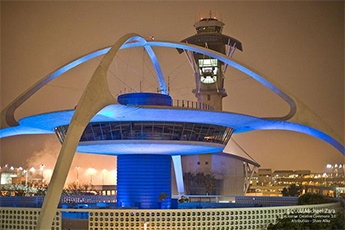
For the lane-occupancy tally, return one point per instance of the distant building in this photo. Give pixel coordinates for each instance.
(265, 176)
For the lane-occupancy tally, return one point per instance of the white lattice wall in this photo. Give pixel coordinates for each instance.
(191, 219)
(24, 218)
(174, 219)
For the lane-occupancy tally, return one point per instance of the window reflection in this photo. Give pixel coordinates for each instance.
(140, 130)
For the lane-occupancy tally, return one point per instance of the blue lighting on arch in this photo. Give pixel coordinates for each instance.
(75, 63)
(39, 128)
(45, 123)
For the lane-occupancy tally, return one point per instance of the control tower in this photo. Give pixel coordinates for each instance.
(209, 72)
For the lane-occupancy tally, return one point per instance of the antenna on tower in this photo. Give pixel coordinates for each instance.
(168, 85)
(210, 14)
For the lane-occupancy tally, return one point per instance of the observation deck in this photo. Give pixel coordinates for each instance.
(153, 137)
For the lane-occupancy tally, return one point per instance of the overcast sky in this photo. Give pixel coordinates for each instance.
(298, 44)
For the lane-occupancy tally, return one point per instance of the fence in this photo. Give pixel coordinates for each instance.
(173, 219)
(37, 201)
(254, 200)
(191, 104)
(24, 218)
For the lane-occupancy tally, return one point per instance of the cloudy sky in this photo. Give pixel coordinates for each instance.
(298, 44)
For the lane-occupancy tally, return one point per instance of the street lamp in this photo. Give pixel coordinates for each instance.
(78, 167)
(26, 181)
(41, 169)
(103, 172)
(91, 171)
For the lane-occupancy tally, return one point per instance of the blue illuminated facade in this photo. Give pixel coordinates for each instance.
(142, 179)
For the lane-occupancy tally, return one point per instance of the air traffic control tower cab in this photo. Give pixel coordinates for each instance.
(209, 72)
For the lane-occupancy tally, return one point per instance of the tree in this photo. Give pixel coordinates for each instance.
(200, 180)
(162, 196)
(309, 198)
(202, 183)
(209, 183)
(292, 190)
(188, 179)
(78, 189)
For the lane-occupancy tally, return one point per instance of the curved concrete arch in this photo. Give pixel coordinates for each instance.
(7, 114)
(231, 62)
(95, 97)
(299, 112)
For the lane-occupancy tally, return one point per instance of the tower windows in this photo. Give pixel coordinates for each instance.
(208, 97)
(208, 69)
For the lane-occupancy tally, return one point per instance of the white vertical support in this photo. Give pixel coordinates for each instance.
(95, 97)
(178, 173)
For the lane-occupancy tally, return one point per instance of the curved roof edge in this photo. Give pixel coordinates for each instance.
(238, 158)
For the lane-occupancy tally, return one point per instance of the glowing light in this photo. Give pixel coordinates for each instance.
(20, 168)
(91, 171)
(11, 168)
(47, 172)
(32, 169)
(329, 166)
(42, 167)
(114, 177)
(336, 166)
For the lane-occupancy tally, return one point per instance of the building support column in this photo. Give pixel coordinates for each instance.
(178, 173)
(95, 97)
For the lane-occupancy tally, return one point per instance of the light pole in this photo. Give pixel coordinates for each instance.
(26, 181)
(32, 170)
(91, 171)
(41, 170)
(103, 172)
(78, 167)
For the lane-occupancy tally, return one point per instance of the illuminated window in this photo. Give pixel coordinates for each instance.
(148, 130)
(208, 69)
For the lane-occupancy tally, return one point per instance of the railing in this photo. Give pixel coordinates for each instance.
(138, 219)
(254, 200)
(191, 104)
(87, 199)
(36, 201)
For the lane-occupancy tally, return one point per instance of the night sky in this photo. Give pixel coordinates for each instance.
(298, 44)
